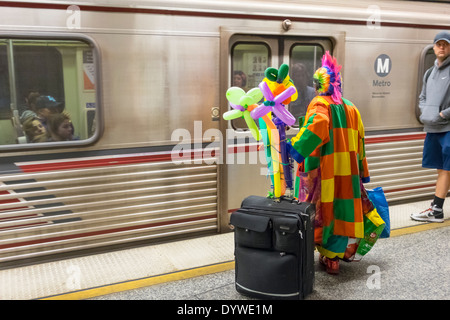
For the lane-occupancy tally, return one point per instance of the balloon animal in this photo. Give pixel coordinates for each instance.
(278, 90)
(242, 103)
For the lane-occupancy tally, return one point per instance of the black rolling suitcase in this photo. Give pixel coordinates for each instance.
(274, 248)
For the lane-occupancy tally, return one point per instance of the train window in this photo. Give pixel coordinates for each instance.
(48, 92)
(426, 61)
(304, 60)
(249, 61)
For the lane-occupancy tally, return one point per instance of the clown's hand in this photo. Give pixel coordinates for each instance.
(293, 153)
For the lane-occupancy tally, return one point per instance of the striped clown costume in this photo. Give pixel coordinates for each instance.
(332, 167)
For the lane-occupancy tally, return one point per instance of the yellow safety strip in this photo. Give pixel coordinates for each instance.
(145, 282)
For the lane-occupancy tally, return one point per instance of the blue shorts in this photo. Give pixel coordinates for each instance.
(436, 151)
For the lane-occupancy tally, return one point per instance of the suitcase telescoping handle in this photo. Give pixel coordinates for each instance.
(286, 198)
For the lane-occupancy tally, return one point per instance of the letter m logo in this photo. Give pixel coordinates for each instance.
(383, 65)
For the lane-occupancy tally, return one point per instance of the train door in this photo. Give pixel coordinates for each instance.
(248, 56)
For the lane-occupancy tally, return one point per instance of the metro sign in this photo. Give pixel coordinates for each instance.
(383, 65)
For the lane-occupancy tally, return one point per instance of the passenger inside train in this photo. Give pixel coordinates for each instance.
(46, 106)
(240, 80)
(44, 120)
(61, 128)
(28, 109)
(34, 130)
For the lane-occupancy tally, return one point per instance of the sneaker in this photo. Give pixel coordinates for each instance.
(432, 214)
(332, 265)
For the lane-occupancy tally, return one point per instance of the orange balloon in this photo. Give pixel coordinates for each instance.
(251, 107)
(279, 89)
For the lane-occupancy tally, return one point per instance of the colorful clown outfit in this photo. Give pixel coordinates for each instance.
(330, 151)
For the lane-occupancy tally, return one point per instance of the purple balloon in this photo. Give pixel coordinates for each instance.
(260, 111)
(284, 115)
(284, 154)
(277, 102)
(266, 91)
(238, 107)
(284, 95)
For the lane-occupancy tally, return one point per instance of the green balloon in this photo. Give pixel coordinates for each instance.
(282, 72)
(256, 94)
(271, 74)
(245, 101)
(234, 94)
(232, 114)
(266, 141)
(252, 125)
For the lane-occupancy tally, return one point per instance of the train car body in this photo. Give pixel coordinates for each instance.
(145, 82)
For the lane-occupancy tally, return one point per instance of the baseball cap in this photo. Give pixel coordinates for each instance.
(48, 102)
(443, 35)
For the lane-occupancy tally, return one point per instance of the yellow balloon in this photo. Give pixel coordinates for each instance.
(287, 83)
(274, 85)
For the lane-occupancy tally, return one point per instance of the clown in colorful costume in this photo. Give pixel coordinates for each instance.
(332, 166)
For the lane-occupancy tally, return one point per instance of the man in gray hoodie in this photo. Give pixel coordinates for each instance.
(434, 104)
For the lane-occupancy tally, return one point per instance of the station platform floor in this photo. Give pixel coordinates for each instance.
(414, 263)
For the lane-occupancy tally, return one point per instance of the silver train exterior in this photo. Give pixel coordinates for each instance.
(145, 83)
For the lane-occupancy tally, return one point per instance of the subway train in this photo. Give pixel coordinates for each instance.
(143, 84)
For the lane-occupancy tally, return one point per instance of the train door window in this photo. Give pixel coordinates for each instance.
(429, 58)
(426, 61)
(4, 84)
(48, 92)
(303, 55)
(249, 61)
(304, 60)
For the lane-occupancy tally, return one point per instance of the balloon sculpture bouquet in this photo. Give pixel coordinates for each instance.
(278, 90)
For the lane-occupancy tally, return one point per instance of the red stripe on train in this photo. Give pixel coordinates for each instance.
(79, 164)
(418, 136)
(109, 231)
(23, 225)
(76, 164)
(10, 201)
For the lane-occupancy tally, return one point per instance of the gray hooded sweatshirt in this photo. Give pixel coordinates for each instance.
(435, 98)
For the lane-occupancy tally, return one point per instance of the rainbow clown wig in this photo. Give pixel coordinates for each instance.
(327, 79)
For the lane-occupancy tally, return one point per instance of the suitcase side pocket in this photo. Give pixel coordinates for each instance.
(251, 230)
(287, 235)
